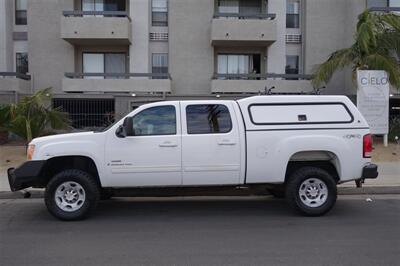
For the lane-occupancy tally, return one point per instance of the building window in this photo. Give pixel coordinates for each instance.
(103, 5)
(394, 3)
(159, 13)
(160, 64)
(242, 7)
(292, 65)
(104, 63)
(228, 6)
(377, 3)
(292, 15)
(20, 12)
(21, 64)
(208, 119)
(159, 120)
(239, 64)
(383, 3)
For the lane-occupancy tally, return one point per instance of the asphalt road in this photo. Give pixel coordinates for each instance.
(203, 231)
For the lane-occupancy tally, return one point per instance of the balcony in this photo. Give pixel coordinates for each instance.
(116, 82)
(96, 27)
(15, 82)
(243, 29)
(261, 83)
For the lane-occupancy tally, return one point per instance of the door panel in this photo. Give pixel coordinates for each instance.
(153, 156)
(210, 144)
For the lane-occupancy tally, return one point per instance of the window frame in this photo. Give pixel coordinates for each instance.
(17, 20)
(104, 6)
(208, 133)
(149, 135)
(17, 58)
(159, 67)
(297, 63)
(159, 23)
(250, 56)
(104, 62)
(295, 15)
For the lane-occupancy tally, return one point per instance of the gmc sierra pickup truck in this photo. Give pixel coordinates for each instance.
(299, 147)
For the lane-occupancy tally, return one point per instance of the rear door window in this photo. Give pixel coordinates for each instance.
(208, 119)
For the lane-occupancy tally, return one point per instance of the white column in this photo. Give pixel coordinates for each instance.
(6, 48)
(276, 52)
(139, 11)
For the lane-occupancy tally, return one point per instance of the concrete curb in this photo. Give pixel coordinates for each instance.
(341, 191)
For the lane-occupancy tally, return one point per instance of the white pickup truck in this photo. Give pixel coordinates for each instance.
(299, 147)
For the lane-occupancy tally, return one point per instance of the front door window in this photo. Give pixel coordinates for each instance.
(159, 120)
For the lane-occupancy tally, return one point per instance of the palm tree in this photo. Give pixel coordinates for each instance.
(33, 115)
(376, 47)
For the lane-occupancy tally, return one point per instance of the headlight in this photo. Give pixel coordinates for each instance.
(30, 151)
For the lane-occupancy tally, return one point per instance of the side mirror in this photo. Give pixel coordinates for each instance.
(126, 129)
(120, 133)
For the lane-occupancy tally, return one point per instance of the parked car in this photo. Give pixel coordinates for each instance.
(301, 145)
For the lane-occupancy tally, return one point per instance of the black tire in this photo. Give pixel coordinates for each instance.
(91, 191)
(293, 187)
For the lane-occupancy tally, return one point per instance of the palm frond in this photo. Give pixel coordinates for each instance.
(376, 47)
(386, 63)
(336, 61)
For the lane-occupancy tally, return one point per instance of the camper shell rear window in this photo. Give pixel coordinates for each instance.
(299, 113)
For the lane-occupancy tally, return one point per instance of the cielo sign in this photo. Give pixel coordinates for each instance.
(373, 99)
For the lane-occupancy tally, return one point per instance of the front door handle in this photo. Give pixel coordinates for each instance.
(168, 144)
(226, 142)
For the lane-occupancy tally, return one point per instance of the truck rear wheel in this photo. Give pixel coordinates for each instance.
(311, 191)
(72, 195)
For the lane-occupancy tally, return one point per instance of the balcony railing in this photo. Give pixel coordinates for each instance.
(384, 9)
(117, 82)
(15, 74)
(263, 76)
(78, 13)
(245, 15)
(269, 83)
(118, 75)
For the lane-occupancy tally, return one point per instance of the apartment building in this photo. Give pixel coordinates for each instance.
(103, 58)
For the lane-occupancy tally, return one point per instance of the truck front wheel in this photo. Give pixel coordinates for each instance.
(311, 191)
(72, 195)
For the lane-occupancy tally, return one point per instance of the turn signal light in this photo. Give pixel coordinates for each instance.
(30, 151)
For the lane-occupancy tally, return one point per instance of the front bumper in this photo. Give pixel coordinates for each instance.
(26, 175)
(370, 171)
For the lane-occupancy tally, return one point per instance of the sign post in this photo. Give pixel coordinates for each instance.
(373, 100)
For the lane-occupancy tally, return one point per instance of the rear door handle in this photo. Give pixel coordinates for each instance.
(168, 144)
(226, 142)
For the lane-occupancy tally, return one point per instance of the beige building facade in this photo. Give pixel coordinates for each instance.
(105, 57)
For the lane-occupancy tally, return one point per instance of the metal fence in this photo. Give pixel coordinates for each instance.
(87, 113)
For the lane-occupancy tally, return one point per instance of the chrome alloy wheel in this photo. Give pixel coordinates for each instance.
(313, 192)
(70, 196)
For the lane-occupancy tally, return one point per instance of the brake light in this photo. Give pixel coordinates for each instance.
(367, 146)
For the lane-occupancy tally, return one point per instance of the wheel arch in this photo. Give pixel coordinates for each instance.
(58, 164)
(324, 159)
